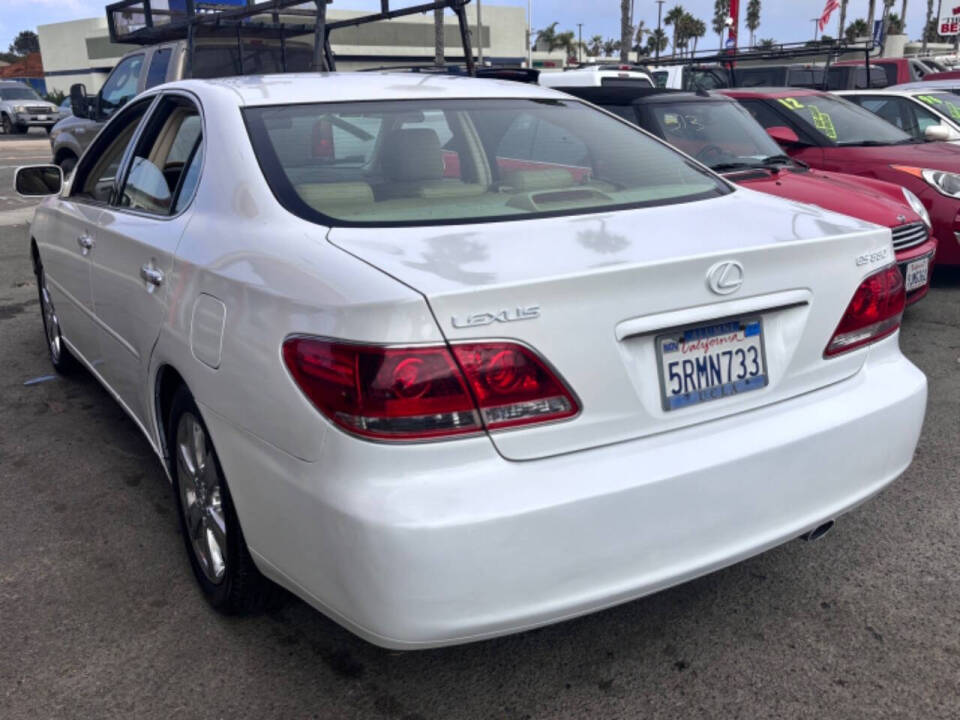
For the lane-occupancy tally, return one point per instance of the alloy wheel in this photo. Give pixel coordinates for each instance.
(51, 323)
(200, 498)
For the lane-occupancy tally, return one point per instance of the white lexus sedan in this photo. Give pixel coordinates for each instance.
(451, 358)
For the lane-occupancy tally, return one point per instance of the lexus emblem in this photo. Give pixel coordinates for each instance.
(725, 277)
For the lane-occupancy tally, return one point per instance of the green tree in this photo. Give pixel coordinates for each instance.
(610, 46)
(926, 27)
(657, 37)
(894, 24)
(695, 29)
(753, 19)
(721, 11)
(548, 37)
(673, 18)
(638, 36)
(858, 28)
(24, 43)
(766, 43)
(595, 46)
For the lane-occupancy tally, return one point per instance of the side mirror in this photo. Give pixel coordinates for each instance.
(38, 180)
(78, 100)
(783, 135)
(939, 133)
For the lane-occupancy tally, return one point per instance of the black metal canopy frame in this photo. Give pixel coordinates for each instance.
(783, 52)
(137, 22)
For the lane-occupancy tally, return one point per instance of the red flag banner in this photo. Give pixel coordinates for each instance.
(827, 12)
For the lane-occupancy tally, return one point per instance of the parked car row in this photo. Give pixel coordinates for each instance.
(451, 358)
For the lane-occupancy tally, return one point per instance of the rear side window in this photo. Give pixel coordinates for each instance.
(170, 139)
(455, 161)
(213, 61)
(157, 72)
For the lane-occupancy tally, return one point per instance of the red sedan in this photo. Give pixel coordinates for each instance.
(829, 133)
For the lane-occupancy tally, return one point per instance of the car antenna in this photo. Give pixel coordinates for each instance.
(701, 91)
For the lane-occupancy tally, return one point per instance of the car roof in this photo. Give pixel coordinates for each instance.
(302, 88)
(928, 85)
(768, 92)
(634, 96)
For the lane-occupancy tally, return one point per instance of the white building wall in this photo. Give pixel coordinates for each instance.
(77, 51)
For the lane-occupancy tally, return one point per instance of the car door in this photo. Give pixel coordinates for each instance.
(139, 232)
(67, 252)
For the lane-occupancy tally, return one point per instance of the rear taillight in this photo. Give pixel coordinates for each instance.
(420, 393)
(873, 313)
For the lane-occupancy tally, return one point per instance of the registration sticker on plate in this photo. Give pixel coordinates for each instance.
(915, 274)
(709, 362)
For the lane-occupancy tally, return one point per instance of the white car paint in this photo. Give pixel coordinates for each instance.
(595, 77)
(424, 544)
(911, 92)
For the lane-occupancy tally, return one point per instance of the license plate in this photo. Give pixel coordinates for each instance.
(41, 117)
(916, 273)
(708, 362)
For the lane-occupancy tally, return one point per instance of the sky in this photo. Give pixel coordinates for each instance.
(783, 20)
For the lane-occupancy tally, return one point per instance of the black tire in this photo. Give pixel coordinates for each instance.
(241, 589)
(67, 163)
(60, 357)
(49, 129)
(6, 125)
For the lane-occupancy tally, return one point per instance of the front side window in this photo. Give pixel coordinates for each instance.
(96, 175)
(18, 93)
(121, 85)
(453, 161)
(839, 121)
(159, 165)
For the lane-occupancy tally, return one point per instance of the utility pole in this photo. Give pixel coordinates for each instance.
(479, 36)
(529, 33)
(580, 43)
(659, 18)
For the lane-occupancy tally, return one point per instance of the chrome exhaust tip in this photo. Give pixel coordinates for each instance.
(818, 532)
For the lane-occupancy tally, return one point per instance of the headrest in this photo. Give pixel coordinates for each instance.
(323, 195)
(532, 180)
(412, 154)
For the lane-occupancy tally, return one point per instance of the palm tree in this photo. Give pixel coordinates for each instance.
(548, 37)
(843, 16)
(858, 28)
(438, 36)
(926, 27)
(871, 12)
(638, 38)
(596, 45)
(753, 18)
(894, 24)
(721, 11)
(657, 38)
(903, 16)
(626, 31)
(766, 43)
(697, 29)
(673, 18)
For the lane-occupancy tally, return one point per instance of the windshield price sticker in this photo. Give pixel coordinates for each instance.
(821, 120)
(941, 105)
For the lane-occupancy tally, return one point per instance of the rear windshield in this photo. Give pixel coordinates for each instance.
(216, 61)
(456, 161)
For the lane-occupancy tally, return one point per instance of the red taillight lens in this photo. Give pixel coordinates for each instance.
(420, 392)
(513, 386)
(873, 313)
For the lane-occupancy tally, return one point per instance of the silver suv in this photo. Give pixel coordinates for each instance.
(147, 67)
(21, 109)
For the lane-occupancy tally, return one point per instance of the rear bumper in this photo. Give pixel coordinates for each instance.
(447, 543)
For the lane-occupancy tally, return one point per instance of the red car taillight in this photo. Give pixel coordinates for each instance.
(873, 313)
(420, 393)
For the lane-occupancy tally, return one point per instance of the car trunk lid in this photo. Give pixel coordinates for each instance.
(591, 293)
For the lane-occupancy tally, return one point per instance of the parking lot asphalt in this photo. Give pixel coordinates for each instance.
(99, 617)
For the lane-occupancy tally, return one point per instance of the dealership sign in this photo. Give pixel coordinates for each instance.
(950, 23)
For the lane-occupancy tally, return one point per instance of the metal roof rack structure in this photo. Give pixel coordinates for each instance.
(139, 22)
(782, 52)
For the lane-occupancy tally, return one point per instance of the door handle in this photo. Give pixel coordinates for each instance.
(86, 243)
(151, 275)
